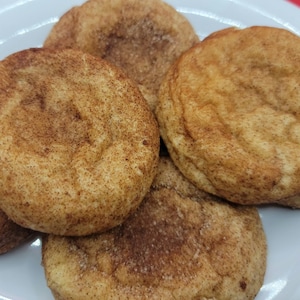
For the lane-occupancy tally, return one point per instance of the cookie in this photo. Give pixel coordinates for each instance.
(181, 243)
(229, 115)
(79, 145)
(143, 38)
(11, 234)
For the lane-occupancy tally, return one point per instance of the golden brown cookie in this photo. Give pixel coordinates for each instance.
(229, 114)
(142, 37)
(78, 143)
(11, 234)
(181, 243)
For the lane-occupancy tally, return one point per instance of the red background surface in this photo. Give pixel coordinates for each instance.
(296, 2)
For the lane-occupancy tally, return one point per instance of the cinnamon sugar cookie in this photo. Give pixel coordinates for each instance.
(11, 234)
(229, 113)
(142, 37)
(78, 143)
(181, 243)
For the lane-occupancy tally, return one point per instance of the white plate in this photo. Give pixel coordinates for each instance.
(25, 23)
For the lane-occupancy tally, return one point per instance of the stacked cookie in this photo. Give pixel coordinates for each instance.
(12, 235)
(79, 145)
(229, 115)
(81, 161)
(181, 243)
(142, 39)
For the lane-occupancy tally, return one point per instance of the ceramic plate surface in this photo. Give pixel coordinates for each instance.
(26, 23)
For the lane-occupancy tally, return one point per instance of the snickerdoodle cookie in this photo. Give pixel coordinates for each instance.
(229, 113)
(181, 243)
(78, 143)
(142, 37)
(11, 234)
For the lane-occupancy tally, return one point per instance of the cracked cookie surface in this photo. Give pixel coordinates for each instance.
(133, 35)
(79, 145)
(181, 243)
(229, 114)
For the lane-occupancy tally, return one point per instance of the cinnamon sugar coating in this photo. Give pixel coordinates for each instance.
(181, 243)
(229, 113)
(143, 39)
(79, 145)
